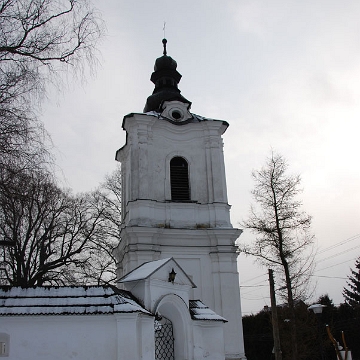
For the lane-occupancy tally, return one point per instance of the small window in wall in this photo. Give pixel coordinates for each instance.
(4, 344)
(179, 179)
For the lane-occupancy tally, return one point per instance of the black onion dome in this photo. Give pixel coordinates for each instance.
(166, 78)
(165, 62)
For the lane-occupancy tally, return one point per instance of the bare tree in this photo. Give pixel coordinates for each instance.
(24, 142)
(38, 39)
(101, 267)
(58, 238)
(50, 229)
(95, 263)
(98, 263)
(47, 30)
(55, 233)
(283, 239)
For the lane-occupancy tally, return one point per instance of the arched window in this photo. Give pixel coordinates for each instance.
(179, 179)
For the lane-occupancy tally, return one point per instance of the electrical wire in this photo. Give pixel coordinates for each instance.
(343, 262)
(256, 277)
(338, 254)
(251, 289)
(351, 238)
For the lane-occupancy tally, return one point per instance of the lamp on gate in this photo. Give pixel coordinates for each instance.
(172, 275)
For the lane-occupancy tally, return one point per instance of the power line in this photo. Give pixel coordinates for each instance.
(256, 277)
(252, 298)
(329, 277)
(354, 237)
(334, 246)
(331, 266)
(256, 284)
(251, 290)
(338, 254)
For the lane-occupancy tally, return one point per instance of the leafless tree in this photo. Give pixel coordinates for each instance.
(100, 264)
(58, 238)
(24, 142)
(283, 241)
(38, 39)
(47, 30)
(49, 227)
(56, 233)
(101, 267)
(95, 263)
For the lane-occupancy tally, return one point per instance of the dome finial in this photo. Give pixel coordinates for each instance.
(164, 41)
(166, 79)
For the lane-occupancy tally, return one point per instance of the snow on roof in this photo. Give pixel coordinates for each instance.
(199, 311)
(81, 300)
(144, 271)
(195, 117)
(85, 300)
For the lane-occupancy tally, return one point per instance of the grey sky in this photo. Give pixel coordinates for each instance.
(284, 74)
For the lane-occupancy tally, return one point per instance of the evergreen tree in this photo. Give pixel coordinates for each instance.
(352, 293)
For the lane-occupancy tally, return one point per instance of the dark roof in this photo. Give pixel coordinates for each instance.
(76, 300)
(165, 78)
(199, 311)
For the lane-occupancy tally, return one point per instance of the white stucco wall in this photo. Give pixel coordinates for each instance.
(80, 337)
(208, 341)
(125, 336)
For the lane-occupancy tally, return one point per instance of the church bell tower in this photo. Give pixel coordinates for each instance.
(174, 198)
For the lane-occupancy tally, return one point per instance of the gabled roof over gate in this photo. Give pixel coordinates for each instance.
(147, 269)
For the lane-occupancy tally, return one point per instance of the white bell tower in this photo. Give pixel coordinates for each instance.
(174, 199)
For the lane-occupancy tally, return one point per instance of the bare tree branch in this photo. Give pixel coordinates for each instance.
(37, 38)
(283, 241)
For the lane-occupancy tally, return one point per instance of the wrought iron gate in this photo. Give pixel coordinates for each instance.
(164, 339)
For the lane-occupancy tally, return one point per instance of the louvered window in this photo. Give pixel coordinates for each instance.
(179, 178)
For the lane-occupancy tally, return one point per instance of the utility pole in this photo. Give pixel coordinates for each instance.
(275, 323)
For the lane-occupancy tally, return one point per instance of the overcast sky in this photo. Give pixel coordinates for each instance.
(284, 74)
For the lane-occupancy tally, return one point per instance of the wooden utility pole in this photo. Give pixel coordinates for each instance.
(275, 323)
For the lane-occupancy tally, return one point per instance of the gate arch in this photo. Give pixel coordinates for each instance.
(173, 308)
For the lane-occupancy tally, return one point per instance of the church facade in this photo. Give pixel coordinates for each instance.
(178, 291)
